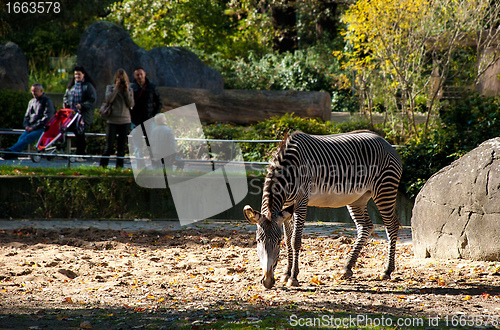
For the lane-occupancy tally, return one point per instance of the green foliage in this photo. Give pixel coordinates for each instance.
(202, 26)
(13, 105)
(82, 197)
(343, 100)
(96, 145)
(308, 70)
(222, 131)
(56, 78)
(400, 48)
(471, 121)
(466, 124)
(274, 129)
(88, 171)
(313, 69)
(42, 35)
(52, 81)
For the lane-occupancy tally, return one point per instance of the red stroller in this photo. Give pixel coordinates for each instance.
(55, 132)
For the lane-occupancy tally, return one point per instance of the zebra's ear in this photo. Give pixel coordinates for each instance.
(283, 217)
(252, 216)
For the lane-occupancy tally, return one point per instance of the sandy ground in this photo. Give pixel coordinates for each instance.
(91, 278)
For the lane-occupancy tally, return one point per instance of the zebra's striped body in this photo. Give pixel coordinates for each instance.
(325, 171)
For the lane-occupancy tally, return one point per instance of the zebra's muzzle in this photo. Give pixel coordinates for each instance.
(268, 280)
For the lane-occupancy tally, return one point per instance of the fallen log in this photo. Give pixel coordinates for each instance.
(247, 106)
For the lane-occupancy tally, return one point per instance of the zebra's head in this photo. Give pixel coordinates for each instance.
(269, 235)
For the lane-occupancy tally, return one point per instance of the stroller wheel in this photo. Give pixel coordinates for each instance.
(35, 158)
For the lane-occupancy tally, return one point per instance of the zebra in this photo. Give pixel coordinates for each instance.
(325, 171)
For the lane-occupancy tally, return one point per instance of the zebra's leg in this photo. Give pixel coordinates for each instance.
(299, 217)
(386, 204)
(391, 228)
(288, 231)
(364, 227)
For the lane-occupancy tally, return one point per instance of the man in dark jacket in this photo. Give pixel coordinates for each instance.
(40, 110)
(147, 102)
(146, 96)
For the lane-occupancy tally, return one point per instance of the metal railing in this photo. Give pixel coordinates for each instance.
(71, 135)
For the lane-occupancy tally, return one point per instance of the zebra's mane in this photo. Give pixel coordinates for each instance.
(273, 168)
(278, 154)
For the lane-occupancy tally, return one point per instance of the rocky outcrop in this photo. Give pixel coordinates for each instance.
(457, 212)
(104, 47)
(179, 67)
(14, 73)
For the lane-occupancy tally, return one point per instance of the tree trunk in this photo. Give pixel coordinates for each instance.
(244, 107)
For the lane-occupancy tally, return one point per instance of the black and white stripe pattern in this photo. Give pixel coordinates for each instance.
(328, 171)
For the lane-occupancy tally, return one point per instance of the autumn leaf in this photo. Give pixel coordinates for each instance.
(316, 281)
(68, 300)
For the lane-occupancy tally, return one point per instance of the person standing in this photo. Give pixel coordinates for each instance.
(40, 110)
(121, 98)
(147, 104)
(163, 144)
(80, 95)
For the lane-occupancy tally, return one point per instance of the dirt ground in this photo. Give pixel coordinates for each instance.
(206, 277)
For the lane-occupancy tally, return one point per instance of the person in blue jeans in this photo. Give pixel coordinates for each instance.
(40, 110)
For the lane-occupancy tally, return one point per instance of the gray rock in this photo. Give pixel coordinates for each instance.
(179, 67)
(104, 47)
(14, 73)
(457, 212)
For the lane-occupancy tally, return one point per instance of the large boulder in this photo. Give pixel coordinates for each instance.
(457, 212)
(104, 47)
(13, 68)
(179, 67)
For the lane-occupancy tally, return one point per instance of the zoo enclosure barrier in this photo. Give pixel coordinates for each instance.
(71, 135)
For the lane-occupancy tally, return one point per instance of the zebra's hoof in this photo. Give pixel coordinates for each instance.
(385, 276)
(292, 282)
(285, 278)
(346, 274)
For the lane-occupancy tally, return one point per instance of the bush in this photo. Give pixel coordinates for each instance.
(13, 105)
(465, 124)
(274, 129)
(95, 146)
(314, 69)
